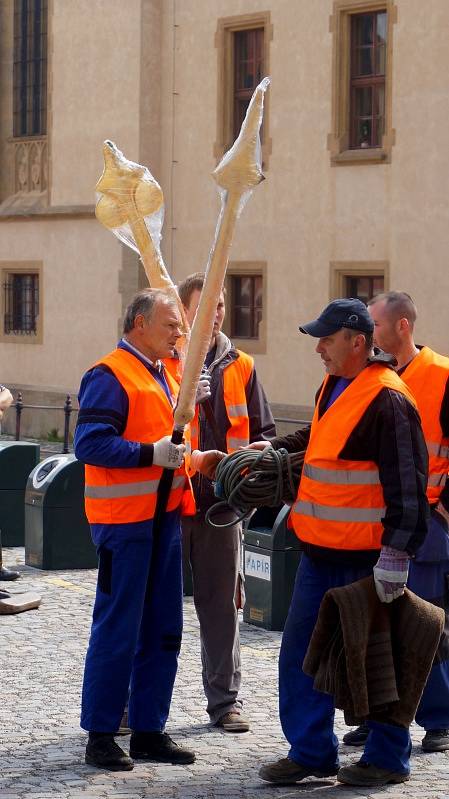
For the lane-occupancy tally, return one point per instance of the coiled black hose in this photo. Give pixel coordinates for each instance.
(251, 478)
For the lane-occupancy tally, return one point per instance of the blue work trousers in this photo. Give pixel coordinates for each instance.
(136, 627)
(307, 716)
(429, 579)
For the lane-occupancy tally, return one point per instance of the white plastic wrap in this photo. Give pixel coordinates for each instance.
(130, 203)
(237, 174)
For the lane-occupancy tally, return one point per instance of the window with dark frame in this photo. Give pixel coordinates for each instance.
(364, 287)
(368, 70)
(21, 303)
(30, 68)
(248, 71)
(246, 293)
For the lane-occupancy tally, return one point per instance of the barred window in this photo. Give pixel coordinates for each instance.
(30, 68)
(246, 305)
(21, 303)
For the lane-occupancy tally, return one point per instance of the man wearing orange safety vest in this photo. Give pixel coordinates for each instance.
(123, 436)
(361, 509)
(426, 373)
(236, 414)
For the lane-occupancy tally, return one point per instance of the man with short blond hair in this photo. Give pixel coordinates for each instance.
(426, 373)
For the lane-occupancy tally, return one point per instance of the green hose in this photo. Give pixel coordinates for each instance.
(253, 478)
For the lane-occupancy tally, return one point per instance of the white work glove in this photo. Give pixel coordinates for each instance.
(167, 454)
(6, 399)
(203, 388)
(391, 573)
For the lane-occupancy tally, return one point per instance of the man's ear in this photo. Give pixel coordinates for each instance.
(359, 341)
(139, 321)
(402, 325)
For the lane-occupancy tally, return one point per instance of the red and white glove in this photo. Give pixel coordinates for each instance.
(206, 462)
(391, 573)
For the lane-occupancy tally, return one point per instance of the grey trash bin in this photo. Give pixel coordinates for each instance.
(17, 460)
(57, 533)
(271, 554)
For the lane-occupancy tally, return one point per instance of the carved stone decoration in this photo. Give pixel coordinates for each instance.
(30, 162)
(21, 163)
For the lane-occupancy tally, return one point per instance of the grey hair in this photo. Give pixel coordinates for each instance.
(143, 303)
(399, 305)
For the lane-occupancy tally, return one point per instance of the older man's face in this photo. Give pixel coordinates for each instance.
(159, 334)
(342, 354)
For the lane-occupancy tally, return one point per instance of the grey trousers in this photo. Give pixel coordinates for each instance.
(215, 558)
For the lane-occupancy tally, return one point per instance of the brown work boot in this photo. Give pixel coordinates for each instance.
(436, 741)
(233, 721)
(287, 772)
(367, 775)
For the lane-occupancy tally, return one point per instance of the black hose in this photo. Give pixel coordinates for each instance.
(253, 478)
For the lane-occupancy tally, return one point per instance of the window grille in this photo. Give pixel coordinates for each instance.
(21, 304)
(30, 68)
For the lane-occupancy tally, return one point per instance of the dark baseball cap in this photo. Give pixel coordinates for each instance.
(347, 312)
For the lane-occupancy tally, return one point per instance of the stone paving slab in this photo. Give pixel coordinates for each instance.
(42, 747)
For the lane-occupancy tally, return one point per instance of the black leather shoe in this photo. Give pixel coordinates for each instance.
(435, 741)
(356, 737)
(8, 574)
(105, 753)
(158, 746)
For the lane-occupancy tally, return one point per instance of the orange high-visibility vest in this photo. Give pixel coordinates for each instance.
(117, 496)
(340, 503)
(426, 376)
(235, 379)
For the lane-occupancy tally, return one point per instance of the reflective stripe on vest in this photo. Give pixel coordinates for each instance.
(340, 503)
(116, 496)
(439, 450)
(130, 489)
(332, 513)
(235, 379)
(426, 375)
(436, 479)
(346, 477)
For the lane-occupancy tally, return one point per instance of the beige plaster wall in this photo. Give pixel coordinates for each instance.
(95, 93)
(144, 73)
(80, 300)
(309, 213)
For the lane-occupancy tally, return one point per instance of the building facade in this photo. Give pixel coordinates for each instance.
(354, 151)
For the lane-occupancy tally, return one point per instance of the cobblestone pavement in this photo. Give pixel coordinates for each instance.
(42, 746)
